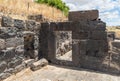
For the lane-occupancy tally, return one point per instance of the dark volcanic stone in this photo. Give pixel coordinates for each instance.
(3, 66)
(20, 24)
(7, 22)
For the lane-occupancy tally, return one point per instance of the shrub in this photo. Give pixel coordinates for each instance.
(56, 3)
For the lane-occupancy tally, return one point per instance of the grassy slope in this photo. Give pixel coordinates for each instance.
(114, 29)
(19, 9)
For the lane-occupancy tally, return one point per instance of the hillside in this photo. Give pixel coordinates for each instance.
(115, 29)
(22, 8)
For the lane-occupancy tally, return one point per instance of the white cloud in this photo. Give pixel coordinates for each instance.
(72, 6)
(107, 8)
(110, 15)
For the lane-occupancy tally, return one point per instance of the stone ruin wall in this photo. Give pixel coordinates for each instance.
(19, 41)
(91, 48)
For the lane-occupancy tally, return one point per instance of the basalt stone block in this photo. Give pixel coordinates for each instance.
(97, 25)
(8, 32)
(36, 42)
(9, 53)
(19, 50)
(7, 21)
(83, 46)
(83, 15)
(4, 76)
(13, 42)
(61, 26)
(19, 68)
(99, 35)
(94, 63)
(36, 17)
(93, 48)
(20, 34)
(81, 35)
(3, 66)
(30, 25)
(20, 24)
(10, 70)
(2, 44)
(97, 45)
(75, 52)
(77, 26)
(15, 62)
(43, 40)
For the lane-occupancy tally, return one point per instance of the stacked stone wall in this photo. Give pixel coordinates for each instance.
(90, 44)
(18, 42)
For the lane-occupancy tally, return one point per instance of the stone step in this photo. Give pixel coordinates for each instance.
(29, 62)
(39, 64)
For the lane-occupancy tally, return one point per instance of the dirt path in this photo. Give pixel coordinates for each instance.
(56, 73)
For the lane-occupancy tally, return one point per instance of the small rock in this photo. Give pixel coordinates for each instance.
(20, 24)
(3, 66)
(4, 76)
(39, 64)
(29, 62)
(10, 70)
(14, 63)
(7, 21)
(19, 68)
(2, 44)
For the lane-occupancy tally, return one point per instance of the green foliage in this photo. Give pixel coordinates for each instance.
(56, 3)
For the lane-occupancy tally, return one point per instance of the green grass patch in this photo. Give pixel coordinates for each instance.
(57, 4)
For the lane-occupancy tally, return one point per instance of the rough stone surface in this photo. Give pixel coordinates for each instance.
(7, 54)
(39, 64)
(87, 48)
(83, 15)
(3, 66)
(30, 25)
(19, 68)
(4, 76)
(14, 42)
(20, 24)
(10, 70)
(7, 21)
(29, 62)
(2, 44)
(8, 32)
(36, 17)
(19, 50)
(15, 62)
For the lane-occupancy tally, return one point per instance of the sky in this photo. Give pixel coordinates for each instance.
(109, 10)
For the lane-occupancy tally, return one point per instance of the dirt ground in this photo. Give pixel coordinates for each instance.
(57, 73)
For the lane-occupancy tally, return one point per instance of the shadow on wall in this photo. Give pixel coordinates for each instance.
(89, 42)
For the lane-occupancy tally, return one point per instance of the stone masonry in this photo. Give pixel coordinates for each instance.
(18, 42)
(23, 42)
(89, 42)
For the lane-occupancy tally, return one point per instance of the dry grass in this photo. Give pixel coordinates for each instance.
(18, 8)
(114, 29)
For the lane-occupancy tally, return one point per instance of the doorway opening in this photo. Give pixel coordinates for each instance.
(63, 45)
